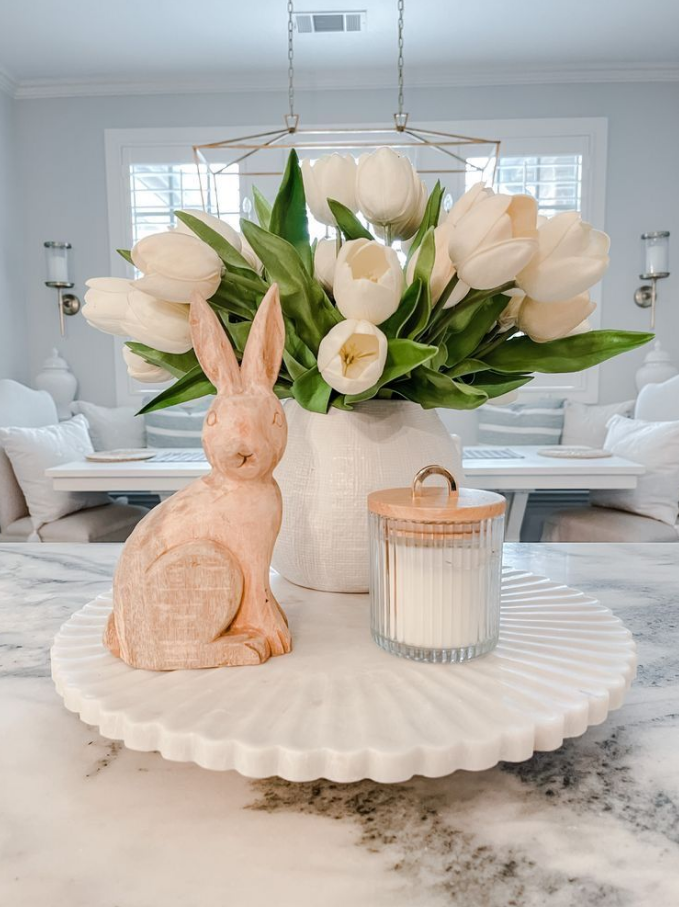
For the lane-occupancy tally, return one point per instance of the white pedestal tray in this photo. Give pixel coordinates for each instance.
(339, 707)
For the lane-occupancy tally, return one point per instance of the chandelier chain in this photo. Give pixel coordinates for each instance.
(400, 56)
(291, 68)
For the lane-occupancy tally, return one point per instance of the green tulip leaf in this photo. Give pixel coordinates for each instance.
(228, 254)
(466, 367)
(288, 216)
(430, 219)
(191, 386)
(302, 298)
(125, 253)
(570, 354)
(238, 332)
(475, 320)
(262, 208)
(348, 223)
(495, 384)
(311, 391)
(177, 364)
(402, 357)
(433, 389)
(394, 325)
(282, 391)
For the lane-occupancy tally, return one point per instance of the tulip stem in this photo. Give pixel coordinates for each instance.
(494, 343)
(388, 234)
(338, 241)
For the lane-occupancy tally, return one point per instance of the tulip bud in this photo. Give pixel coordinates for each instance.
(466, 202)
(388, 190)
(175, 265)
(331, 176)
(368, 281)
(352, 355)
(141, 370)
(215, 223)
(494, 240)
(116, 306)
(325, 261)
(571, 257)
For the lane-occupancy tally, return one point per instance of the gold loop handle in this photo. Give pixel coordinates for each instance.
(427, 471)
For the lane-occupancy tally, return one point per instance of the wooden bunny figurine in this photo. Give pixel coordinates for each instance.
(191, 589)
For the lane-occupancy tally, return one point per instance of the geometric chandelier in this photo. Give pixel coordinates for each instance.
(262, 156)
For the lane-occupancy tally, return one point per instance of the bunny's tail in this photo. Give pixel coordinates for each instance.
(111, 640)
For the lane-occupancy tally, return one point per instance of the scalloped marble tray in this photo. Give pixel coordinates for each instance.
(340, 708)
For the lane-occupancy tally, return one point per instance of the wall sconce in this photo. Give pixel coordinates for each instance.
(58, 277)
(656, 266)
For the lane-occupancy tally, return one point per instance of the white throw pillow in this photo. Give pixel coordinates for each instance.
(585, 424)
(656, 446)
(33, 450)
(112, 427)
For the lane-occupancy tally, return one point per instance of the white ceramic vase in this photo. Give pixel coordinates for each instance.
(331, 464)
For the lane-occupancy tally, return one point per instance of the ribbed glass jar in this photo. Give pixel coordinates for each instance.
(435, 585)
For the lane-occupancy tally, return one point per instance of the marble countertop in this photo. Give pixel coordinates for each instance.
(86, 823)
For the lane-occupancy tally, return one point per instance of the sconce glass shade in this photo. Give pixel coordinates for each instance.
(656, 254)
(57, 259)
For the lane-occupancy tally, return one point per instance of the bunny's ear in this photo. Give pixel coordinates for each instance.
(212, 347)
(264, 350)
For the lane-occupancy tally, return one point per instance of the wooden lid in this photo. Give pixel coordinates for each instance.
(436, 504)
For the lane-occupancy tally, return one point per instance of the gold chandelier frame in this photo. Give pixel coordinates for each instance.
(400, 136)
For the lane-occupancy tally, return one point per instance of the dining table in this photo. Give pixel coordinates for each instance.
(514, 471)
(85, 821)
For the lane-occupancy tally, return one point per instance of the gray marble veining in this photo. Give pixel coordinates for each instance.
(83, 821)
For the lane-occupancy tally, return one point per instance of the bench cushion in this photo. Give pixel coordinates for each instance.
(598, 524)
(110, 523)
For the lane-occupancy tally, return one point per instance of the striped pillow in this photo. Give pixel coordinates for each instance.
(177, 426)
(522, 423)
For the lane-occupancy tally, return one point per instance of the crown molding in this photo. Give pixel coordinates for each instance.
(344, 80)
(7, 84)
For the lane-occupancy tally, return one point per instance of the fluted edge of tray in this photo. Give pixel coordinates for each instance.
(340, 708)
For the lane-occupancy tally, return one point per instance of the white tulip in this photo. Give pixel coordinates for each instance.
(571, 258)
(106, 304)
(175, 265)
(545, 321)
(494, 240)
(219, 226)
(325, 261)
(443, 270)
(510, 316)
(388, 189)
(368, 281)
(141, 370)
(331, 176)
(250, 255)
(352, 355)
(406, 228)
(115, 306)
(466, 202)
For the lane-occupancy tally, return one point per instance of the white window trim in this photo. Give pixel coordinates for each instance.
(578, 135)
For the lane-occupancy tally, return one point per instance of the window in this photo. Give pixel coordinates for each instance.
(158, 190)
(150, 173)
(554, 181)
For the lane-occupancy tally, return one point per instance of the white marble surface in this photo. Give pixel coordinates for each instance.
(86, 823)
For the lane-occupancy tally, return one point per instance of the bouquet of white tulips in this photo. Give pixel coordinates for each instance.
(477, 300)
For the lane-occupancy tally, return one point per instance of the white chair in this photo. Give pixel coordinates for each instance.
(23, 407)
(655, 403)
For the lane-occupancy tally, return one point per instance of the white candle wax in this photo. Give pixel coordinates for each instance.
(439, 596)
(656, 258)
(57, 266)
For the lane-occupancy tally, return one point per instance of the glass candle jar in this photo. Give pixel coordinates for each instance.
(435, 569)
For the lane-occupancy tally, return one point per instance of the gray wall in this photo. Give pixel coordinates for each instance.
(13, 301)
(61, 151)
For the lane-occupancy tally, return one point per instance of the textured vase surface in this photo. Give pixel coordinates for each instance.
(331, 464)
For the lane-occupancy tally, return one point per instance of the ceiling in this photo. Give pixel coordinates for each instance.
(243, 44)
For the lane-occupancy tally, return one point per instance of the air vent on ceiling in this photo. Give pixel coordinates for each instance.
(319, 23)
